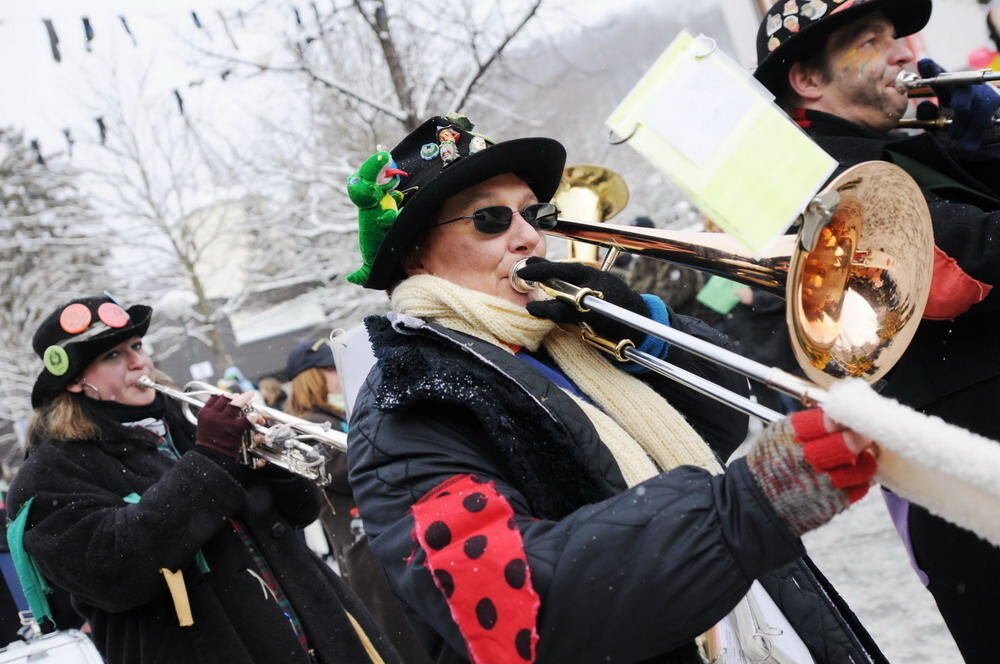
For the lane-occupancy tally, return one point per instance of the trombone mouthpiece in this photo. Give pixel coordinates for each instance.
(516, 282)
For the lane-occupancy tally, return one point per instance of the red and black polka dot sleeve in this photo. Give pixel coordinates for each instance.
(476, 555)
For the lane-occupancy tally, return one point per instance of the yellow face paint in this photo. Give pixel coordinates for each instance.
(858, 58)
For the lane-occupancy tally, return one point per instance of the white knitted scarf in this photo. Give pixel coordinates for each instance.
(644, 433)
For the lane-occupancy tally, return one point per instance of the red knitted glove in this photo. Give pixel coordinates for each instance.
(221, 426)
(828, 453)
(807, 472)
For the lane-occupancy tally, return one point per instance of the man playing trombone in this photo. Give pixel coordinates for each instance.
(532, 500)
(833, 66)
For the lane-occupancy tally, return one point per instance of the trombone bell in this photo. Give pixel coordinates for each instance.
(854, 300)
(593, 193)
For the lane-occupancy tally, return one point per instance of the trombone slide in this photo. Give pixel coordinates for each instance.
(585, 299)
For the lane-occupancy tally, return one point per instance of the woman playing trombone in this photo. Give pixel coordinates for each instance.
(170, 548)
(531, 500)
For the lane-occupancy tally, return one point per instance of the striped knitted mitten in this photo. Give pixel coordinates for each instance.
(808, 473)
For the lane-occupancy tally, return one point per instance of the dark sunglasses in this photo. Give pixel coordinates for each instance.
(497, 218)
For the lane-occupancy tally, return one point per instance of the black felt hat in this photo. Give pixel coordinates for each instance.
(309, 355)
(438, 165)
(75, 334)
(792, 29)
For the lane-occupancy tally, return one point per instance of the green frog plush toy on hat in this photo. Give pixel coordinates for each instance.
(373, 190)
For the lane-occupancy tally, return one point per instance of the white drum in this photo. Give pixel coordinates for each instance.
(68, 646)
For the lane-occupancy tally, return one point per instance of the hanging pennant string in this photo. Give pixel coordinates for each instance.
(53, 39)
(200, 25)
(102, 130)
(128, 31)
(88, 34)
(69, 140)
(38, 152)
(225, 28)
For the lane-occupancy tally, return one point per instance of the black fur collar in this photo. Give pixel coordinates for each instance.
(542, 442)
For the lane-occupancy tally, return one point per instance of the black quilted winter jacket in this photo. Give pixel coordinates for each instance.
(623, 575)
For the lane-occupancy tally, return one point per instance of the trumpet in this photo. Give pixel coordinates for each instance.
(912, 85)
(907, 81)
(297, 445)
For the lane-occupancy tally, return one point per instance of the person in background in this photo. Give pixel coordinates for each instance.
(170, 548)
(273, 392)
(234, 381)
(316, 396)
(832, 67)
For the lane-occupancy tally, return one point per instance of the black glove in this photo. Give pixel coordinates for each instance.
(974, 108)
(221, 426)
(614, 290)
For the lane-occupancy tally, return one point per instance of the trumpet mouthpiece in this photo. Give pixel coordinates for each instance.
(905, 81)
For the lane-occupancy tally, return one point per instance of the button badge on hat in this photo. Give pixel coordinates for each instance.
(77, 320)
(448, 138)
(56, 360)
(477, 144)
(428, 151)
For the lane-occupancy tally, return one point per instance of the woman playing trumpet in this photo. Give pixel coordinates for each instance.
(531, 500)
(171, 549)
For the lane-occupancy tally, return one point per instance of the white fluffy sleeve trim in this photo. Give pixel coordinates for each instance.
(952, 472)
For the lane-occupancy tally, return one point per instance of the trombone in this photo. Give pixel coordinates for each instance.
(297, 445)
(855, 280)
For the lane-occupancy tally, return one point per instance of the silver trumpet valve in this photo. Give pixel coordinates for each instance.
(297, 445)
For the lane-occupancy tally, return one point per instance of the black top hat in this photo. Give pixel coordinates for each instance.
(75, 334)
(438, 166)
(792, 29)
(309, 355)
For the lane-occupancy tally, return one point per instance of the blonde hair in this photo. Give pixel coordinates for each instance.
(308, 392)
(62, 419)
(70, 417)
(269, 386)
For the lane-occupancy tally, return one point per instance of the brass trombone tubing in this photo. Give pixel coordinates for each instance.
(713, 253)
(808, 393)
